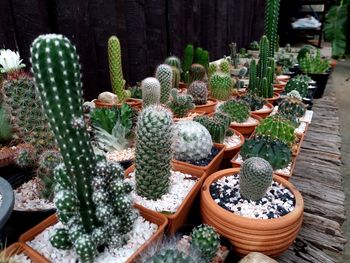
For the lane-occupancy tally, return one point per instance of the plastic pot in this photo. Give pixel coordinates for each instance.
(321, 83)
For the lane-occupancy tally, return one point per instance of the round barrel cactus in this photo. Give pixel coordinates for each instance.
(221, 85)
(206, 240)
(199, 91)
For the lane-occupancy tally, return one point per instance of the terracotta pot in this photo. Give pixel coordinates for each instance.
(183, 85)
(207, 108)
(275, 97)
(178, 219)
(133, 103)
(203, 171)
(269, 236)
(283, 78)
(149, 215)
(232, 151)
(264, 113)
(7, 156)
(20, 248)
(234, 163)
(200, 113)
(246, 129)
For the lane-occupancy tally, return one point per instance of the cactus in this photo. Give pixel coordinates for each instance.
(276, 152)
(192, 141)
(225, 66)
(297, 84)
(212, 69)
(206, 240)
(254, 102)
(292, 107)
(294, 94)
(313, 65)
(150, 91)
(180, 104)
(221, 86)
(176, 77)
(5, 126)
(187, 61)
(153, 152)
(277, 128)
(263, 57)
(234, 55)
(173, 61)
(271, 23)
(196, 72)
(115, 68)
(288, 48)
(255, 178)
(199, 91)
(91, 196)
(253, 83)
(254, 45)
(170, 255)
(201, 56)
(237, 110)
(164, 74)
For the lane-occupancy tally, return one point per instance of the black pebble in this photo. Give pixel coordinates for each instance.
(206, 161)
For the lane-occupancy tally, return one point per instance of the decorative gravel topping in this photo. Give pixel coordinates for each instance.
(180, 185)
(28, 197)
(277, 202)
(21, 258)
(263, 109)
(301, 129)
(208, 159)
(120, 156)
(141, 232)
(232, 141)
(189, 116)
(249, 121)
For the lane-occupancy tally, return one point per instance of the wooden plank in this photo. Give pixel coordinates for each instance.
(7, 27)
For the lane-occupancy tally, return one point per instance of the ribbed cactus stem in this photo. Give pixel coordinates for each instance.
(253, 77)
(150, 91)
(271, 23)
(263, 57)
(57, 73)
(115, 68)
(187, 61)
(164, 74)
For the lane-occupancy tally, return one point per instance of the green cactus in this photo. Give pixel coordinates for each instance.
(192, 141)
(263, 57)
(313, 65)
(292, 107)
(306, 49)
(187, 61)
(150, 91)
(176, 77)
(253, 83)
(87, 199)
(206, 240)
(212, 69)
(255, 178)
(180, 103)
(173, 61)
(5, 126)
(254, 45)
(271, 23)
(237, 110)
(164, 74)
(199, 91)
(221, 86)
(153, 152)
(234, 55)
(170, 255)
(196, 72)
(115, 68)
(277, 128)
(294, 94)
(255, 102)
(225, 66)
(276, 152)
(297, 84)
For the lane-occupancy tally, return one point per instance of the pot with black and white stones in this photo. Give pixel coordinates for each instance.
(254, 230)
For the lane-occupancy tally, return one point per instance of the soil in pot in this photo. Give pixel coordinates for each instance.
(190, 116)
(21, 253)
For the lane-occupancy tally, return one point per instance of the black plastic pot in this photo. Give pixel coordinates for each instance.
(321, 83)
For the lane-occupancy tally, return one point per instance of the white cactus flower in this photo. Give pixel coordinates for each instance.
(10, 61)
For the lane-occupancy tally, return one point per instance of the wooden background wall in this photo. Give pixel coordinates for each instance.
(149, 30)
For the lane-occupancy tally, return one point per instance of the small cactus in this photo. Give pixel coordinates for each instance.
(237, 110)
(299, 84)
(164, 74)
(187, 61)
(234, 55)
(221, 86)
(292, 107)
(173, 61)
(254, 102)
(206, 240)
(180, 103)
(196, 72)
(176, 77)
(150, 91)
(225, 66)
(199, 91)
(212, 69)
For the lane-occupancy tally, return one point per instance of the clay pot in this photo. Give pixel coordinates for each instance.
(202, 171)
(246, 129)
(133, 103)
(182, 86)
(283, 78)
(149, 215)
(178, 219)
(199, 113)
(279, 88)
(269, 236)
(232, 151)
(264, 113)
(275, 97)
(20, 248)
(7, 156)
(207, 108)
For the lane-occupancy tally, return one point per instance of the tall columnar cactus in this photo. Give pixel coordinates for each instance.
(115, 68)
(196, 72)
(150, 91)
(225, 66)
(263, 57)
(201, 56)
(234, 55)
(253, 77)
(91, 196)
(221, 86)
(187, 61)
(176, 77)
(164, 74)
(199, 91)
(153, 152)
(255, 178)
(180, 103)
(272, 8)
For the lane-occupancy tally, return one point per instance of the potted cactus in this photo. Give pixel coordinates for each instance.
(232, 201)
(93, 203)
(199, 91)
(221, 86)
(254, 48)
(180, 104)
(258, 105)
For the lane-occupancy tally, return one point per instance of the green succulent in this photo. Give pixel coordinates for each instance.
(314, 65)
(298, 84)
(238, 110)
(255, 102)
(225, 66)
(206, 240)
(221, 86)
(197, 72)
(180, 103)
(199, 91)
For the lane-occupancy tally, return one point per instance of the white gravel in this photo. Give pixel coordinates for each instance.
(301, 129)
(120, 156)
(28, 197)
(140, 233)
(249, 121)
(232, 141)
(180, 185)
(20, 258)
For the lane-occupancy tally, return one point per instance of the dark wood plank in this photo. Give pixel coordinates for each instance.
(7, 27)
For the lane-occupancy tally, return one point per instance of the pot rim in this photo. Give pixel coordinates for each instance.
(8, 201)
(241, 137)
(270, 109)
(254, 116)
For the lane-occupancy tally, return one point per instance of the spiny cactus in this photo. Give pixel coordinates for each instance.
(234, 55)
(170, 255)
(173, 61)
(255, 178)
(176, 77)
(225, 66)
(5, 126)
(292, 106)
(150, 91)
(199, 91)
(91, 199)
(313, 65)
(253, 85)
(115, 68)
(271, 23)
(153, 152)
(201, 56)
(255, 102)
(180, 103)
(212, 69)
(276, 152)
(206, 240)
(164, 74)
(297, 84)
(187, 61)
(192, 141)
(237, 110)
(294, 94)
(277, 128)
(254, 45)
(196, 72)
(221, 86)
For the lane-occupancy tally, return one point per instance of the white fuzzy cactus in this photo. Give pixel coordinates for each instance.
(150, 91)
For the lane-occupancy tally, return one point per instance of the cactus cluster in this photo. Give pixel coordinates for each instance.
(234, 56)
(206, 240)
(115, 69)
(298, 84)
(276, 152)
(254, 45)
(180, 103)
(197, 72)
(164, 74)
(91, 198)
(255, 102)
(271, 23)
(313, 65)
(199, 91)
(217, 125)
(170, 255)
(238, 110)
(201, 56)
(221, 85)
(192, 141)
(150, 91)
(255, 178)
(225, 66)
(277, 128)
(292, 107)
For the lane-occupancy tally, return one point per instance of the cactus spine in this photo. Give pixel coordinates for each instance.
(271, 23)
(164, 74)
(206, 240)
(180, 103)
(225, 66)
(150, 91)
(115, 68)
